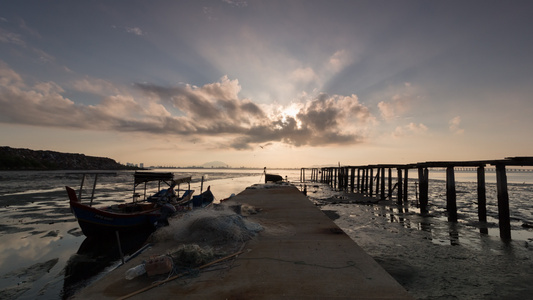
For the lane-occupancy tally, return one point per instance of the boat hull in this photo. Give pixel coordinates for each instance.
(99, 221)
(273, 178)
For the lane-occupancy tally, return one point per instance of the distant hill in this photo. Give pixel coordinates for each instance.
(215, 164)
(26, 159)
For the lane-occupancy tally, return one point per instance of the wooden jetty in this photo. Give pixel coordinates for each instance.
(361, 179)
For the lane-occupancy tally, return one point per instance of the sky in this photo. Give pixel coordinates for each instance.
(268, 83)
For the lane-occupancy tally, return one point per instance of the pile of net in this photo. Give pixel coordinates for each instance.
(192, 255)
(209, 227)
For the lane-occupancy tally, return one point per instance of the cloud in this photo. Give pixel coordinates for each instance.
(455, 125)
(409, 129)
(213, 111)
(398, 104)
(11, 38)
(134, 30)
(94, 86)
(237, 3)
(338, 61)
(303, 75)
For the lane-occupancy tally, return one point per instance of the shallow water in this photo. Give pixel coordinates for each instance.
(39, 236)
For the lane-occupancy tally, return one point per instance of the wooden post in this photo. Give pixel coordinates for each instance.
(377, 181)
(338, 176)
(390, 183)
(423, 178)
(334, 178)
(365, 187)
(482, 200)
(371, 187)
(346, 176)
(503, 203)
(405, 185)
(451, 197)
(359, 189)
(400, 186)
(382, 183)
(352, 180)
(363, 180)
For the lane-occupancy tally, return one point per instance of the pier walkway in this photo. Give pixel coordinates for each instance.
(300, 254)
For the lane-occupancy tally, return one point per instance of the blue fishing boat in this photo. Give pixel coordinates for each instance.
(149, 212)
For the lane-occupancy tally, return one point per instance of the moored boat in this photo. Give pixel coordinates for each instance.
(149, 212)
(272, 178)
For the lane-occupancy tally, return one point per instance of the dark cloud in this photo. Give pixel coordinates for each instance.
(213, 110)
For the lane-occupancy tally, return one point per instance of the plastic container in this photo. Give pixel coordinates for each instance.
(135, 272)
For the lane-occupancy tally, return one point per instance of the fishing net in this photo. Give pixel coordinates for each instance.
(192, 255)
(209, 227)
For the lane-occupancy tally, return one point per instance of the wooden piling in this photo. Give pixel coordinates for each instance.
(382, 183)
(482, 200)
(405, 186)
(451, 197)
(377, 182)
(358, 189)
(337, 178)
(503, 202)
(390, 183)
(352, 179)
(371, 187)
(423, 179)
(400, 187)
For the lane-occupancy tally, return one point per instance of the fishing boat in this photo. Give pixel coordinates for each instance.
(271, 177)
(149, 212)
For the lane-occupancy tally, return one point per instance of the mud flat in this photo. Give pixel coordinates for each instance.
(433, 258)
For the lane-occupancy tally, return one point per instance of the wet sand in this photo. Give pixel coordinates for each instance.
(434, 259)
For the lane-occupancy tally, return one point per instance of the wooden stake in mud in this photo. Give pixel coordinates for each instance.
(451, 197)
(423, 179)
(400, 187)
(405, 185)
(390, 183)
(503, 202)
(383, 183)
(371, 187)
(482, 199)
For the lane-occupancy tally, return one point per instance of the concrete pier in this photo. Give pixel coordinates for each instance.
(300, 254)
